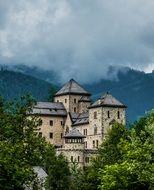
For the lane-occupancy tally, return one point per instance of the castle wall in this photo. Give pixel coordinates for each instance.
(57, 129)
(65, 99)
(113, 116)
(72, 104)
(73, 155)
(83, 106)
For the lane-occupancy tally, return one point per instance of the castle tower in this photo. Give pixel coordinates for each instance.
(70, 95)
(102, 115)
(74, 147)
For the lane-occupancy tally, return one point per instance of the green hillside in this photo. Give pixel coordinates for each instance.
(14, 85)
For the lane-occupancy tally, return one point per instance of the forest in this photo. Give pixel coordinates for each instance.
(125, 159)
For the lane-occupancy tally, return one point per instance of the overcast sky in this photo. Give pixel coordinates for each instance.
(78, 38)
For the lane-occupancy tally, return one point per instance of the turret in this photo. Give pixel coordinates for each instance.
(70, 95)
(74, 147)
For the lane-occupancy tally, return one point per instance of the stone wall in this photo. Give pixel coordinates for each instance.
(57, 129)
(83, 106)
(113, 117)
(65, 99)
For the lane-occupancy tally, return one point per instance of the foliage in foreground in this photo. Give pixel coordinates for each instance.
(21, 149)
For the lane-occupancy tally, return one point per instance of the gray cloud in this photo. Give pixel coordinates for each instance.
(78, 39)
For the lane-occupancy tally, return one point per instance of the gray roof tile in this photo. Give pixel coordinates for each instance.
(82, 118)
(74, 133)
(107, 101)
(72, 87)
(49, 108)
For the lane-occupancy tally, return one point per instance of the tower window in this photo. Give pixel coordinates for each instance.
(71, 158)
(108, 114)
(85, 131)
(118, 114)
(75, 110)
(95, 130)
(75, 100)
(97, 143)
(95, 115)
(51, 135)
(40, 134)
(78, 158)
(51, 122)
(87, 159)
(93, 144)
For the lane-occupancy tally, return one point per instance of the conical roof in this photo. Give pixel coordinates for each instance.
(107, 101)
(74, 133)
(72, 87)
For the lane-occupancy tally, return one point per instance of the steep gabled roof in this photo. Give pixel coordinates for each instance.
(49, 108)
(72, 87)
(107, 101)
(74, 133)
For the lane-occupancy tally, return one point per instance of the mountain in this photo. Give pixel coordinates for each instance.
(134, 88)
(14, 84)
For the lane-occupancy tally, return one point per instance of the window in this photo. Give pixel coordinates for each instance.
(75, 101)
(57, 100)
(51, 135)
(93, 144)
(85, 144)
(87, 159)
(40, 134)
(118, 114)
(71, 158)
(95, 130)
(85, 131)
(95, 115)
(67, 130)
(75, 110)
(51, 122)
(78, 158)
(108, 114)
(97, 143)
(61, 123)
(65, 100)
(61, 135)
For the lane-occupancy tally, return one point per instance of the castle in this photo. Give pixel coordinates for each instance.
(74, 124)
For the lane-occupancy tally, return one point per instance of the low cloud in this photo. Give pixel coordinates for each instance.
(78, 39)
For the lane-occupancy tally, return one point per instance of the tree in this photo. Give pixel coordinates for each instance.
(135, 169)
(21, 148)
